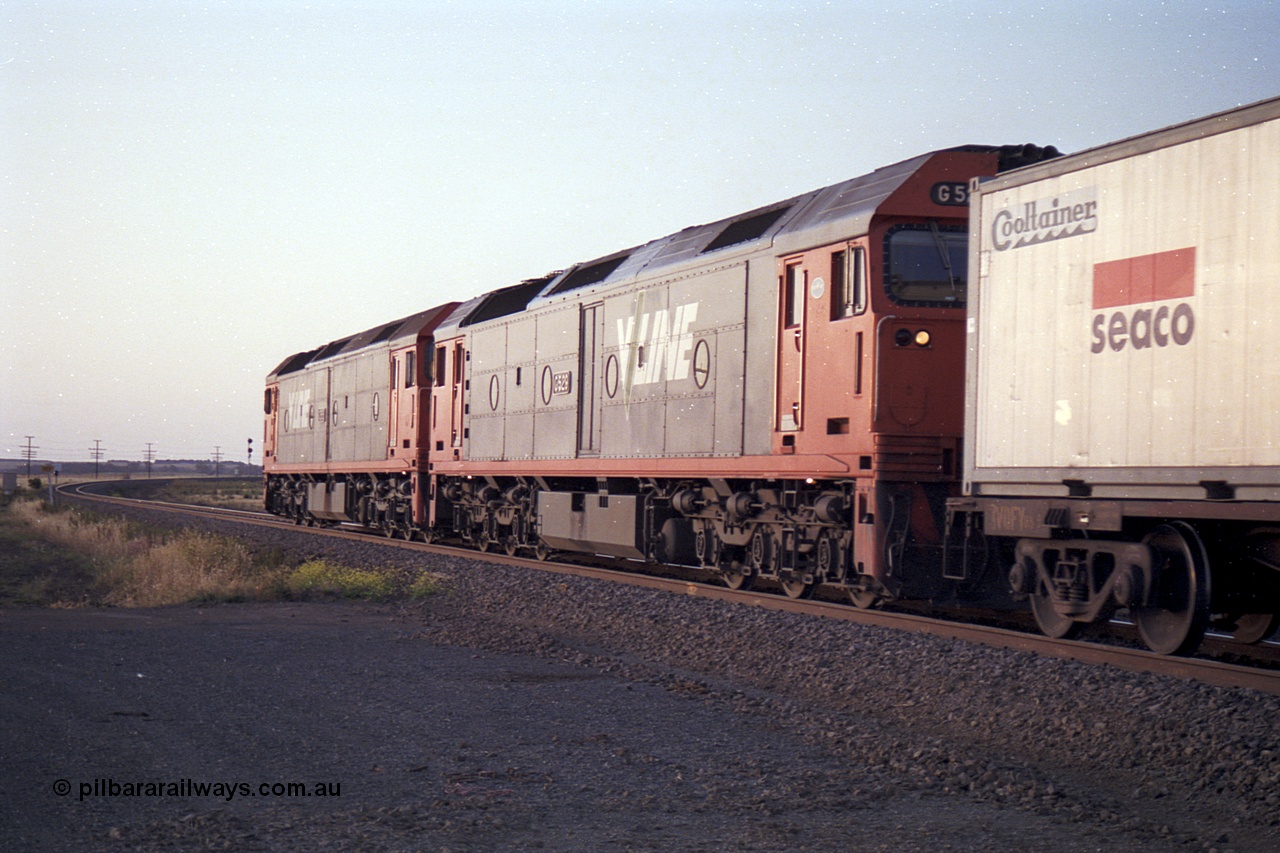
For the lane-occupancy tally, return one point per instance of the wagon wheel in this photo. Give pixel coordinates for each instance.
(1052, 624)
(1253, 628)
(1177, 614)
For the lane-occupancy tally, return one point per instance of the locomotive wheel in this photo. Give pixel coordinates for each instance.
(737, 576)
(1254, 627)
(796, 587)
(863, 599)
(763, 551)
(828, 557)
(709, 548)
(484, 542)
(1175, 620)
(511, 544)
(542, 551)
(1051, 623)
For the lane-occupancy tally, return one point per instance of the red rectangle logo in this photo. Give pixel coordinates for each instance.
(1148, 278)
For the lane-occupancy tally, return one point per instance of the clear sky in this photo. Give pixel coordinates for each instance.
(191, 191)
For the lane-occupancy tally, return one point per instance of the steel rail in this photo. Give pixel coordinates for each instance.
(1201, 670)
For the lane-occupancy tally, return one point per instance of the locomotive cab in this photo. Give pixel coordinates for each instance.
(870, 372)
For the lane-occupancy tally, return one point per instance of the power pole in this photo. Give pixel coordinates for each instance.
(149, 455)
(217, 460)
(96, 453)
(29, 453)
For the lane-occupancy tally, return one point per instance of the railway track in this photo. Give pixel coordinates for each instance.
(1260, 671)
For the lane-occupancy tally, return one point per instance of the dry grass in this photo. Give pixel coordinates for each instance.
(134, 566)
(145, 568)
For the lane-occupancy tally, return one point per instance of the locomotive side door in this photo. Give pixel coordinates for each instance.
(448, 400)
(325, 415)
(271, 408)
(793, 284)
(404, 403)
(393, 403)
(588, 396)
(457, 386)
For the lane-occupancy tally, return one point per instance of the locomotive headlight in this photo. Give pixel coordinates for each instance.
(922, 338)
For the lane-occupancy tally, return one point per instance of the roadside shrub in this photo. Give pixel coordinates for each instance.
(328, 579)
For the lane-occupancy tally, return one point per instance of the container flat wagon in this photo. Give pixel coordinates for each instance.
(1123, 381)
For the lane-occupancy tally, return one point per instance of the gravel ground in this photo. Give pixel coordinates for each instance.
(533, 711)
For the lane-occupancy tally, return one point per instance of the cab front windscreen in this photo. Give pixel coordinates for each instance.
(926, 265)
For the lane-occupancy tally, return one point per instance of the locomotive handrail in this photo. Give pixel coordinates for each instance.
(875, 386)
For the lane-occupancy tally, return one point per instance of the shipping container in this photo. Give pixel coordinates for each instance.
(1123, 375)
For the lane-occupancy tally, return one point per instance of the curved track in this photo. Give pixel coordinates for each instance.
(1262, 673)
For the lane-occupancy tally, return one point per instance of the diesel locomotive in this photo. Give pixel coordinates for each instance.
(782, 395)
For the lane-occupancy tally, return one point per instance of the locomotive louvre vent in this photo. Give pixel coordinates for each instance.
(589, 274)
(297, 362)
(332, 348)
(746, 229)
(509, 300)
(386, 333)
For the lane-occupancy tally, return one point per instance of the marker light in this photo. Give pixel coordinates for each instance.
(922, 338)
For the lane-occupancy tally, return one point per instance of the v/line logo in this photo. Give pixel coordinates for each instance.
(656, 345)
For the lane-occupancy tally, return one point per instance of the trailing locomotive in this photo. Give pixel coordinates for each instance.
(782, 395)
(776, 395)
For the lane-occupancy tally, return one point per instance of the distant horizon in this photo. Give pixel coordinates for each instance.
(189, 460)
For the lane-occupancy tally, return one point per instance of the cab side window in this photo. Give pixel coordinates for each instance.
(848, 283)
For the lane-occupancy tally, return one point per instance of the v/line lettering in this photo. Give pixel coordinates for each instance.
(656, 345)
